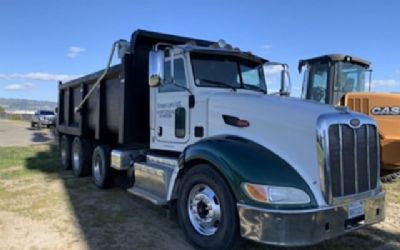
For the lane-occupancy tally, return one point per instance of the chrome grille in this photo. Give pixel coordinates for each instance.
(353, 159)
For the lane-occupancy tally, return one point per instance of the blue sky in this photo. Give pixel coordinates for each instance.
(45, 40)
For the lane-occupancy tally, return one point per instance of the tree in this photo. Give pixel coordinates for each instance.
(1, 110)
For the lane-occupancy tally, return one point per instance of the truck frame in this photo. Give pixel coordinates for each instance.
(191, 124)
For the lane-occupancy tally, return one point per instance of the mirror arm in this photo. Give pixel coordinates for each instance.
(172, 66)
(370, 80)
(161, 44)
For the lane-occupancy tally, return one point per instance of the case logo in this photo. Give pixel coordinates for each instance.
(386, 111)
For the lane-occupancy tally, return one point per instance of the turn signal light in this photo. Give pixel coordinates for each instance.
(256, 192)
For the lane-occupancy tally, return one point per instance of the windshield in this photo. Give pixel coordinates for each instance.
(45, 112)
(350, 77)
(227, 72)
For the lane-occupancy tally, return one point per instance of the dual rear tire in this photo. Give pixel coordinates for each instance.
(78, 154)
(101, 170)
(81, 157)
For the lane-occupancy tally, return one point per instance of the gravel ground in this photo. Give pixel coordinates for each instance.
(19, 133)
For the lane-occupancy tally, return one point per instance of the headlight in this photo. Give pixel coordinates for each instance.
(275, 194)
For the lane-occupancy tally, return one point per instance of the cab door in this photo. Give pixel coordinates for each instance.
(172, 105)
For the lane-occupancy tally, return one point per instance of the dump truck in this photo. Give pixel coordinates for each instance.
(345, 80)
(191, 125)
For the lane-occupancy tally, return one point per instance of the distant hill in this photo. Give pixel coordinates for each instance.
(13, 105)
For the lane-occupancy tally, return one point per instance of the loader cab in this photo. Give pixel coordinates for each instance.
(327, 79)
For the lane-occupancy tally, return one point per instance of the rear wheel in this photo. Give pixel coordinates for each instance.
(101, 170)
(81, 157)
(65, 152)
(207, 210)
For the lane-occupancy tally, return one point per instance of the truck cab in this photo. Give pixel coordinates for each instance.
(194, 127)
(189, 78)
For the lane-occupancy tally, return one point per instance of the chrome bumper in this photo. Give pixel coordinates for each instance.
(305, 227)
(46, 122)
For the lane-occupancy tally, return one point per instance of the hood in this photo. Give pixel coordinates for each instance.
(286, 126)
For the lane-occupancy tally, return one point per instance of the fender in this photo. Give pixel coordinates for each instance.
(241, 160)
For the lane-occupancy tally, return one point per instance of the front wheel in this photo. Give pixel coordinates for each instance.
(207, 209)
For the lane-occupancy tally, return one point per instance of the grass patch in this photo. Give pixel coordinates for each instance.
(22, 161)
(23, 172)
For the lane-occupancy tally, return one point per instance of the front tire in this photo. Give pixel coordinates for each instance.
(207, 209)
(81, 157)
(101, 170)
(65, 152)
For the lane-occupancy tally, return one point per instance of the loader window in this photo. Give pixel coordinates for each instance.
(350, 77)
(179, 75)
(318, 83)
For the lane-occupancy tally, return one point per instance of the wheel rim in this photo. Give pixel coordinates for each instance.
(64, 153)
(204, 209)
(76, 157)
(97, 171)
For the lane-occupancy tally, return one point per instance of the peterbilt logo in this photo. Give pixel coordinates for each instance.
(386, 110)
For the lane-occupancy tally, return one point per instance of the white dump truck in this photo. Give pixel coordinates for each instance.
(192, 124)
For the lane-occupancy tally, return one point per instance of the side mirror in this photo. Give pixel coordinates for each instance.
(277, 77)
(156, 68)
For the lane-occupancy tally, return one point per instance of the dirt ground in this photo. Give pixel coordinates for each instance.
(42, 207)
(19, 133)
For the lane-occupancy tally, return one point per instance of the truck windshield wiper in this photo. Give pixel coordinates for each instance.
(218, 82)
(257, 88)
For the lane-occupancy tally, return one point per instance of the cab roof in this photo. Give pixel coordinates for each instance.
(151, 38)
(335, 58)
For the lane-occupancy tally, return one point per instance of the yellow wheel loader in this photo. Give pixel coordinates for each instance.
(345, 80)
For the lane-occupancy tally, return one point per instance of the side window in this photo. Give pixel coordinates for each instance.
(179, 74)
(251, 76)
(180, 122)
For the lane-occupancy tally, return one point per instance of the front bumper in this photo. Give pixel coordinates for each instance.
(305, 227)
(47, 122)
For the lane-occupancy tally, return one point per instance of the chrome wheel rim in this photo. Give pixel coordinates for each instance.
(76, 157)
(97, 169)
(204, 209)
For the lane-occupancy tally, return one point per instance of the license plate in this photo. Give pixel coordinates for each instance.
(355, 209)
